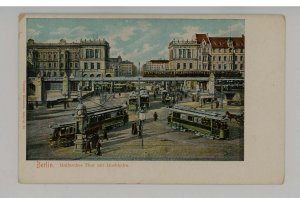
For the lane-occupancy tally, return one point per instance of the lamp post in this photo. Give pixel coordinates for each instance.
(65, 100)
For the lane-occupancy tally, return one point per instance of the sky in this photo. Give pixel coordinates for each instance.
(136, 40)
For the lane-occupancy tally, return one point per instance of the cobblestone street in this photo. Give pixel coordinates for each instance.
(160, 140)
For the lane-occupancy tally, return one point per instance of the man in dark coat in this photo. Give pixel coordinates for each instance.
(98, 148)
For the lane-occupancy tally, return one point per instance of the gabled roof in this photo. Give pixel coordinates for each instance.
(201, 37)
(222, 42)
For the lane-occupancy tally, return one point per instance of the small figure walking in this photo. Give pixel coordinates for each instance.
(132, 128)
(155, 116)
(88, 146)
(98, 148)
(105, 136)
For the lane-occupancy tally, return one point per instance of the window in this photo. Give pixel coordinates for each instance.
(214, 66)
(204, 66)
(55, 56)
(92, 65)
(242, 67)
(44, 56)
(191, 65)
(91, 53)
(61, 65)
(87, 53)
(184, 53)
(178, 65)
(241, 58)
(225, 66)
(85, 66)
(54, 74)
(76, 65)
(225, 57)
(61, 73)
(54, 64)
(49, 56)
(96, 53)
(61, 56)
(219, 67)
(214, 58)
(180, 53)
(242, 50)
(219, 58)
(71, 64)
(44, 73)
(189, 53)
(98, 65)
(48, 74)
(49, 65)
(184, 65)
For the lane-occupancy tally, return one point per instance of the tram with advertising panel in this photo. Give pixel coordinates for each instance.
(132, 101)
(202, 123)
(145, 100)
(97, 120)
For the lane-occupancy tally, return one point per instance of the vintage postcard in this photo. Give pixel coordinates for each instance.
(174, 99)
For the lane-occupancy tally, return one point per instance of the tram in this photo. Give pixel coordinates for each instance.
(132, 101)
(96, 119)
(207, 124)
(145, 102)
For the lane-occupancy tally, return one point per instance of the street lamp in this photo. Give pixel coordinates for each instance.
(142, 118)
(65, 101)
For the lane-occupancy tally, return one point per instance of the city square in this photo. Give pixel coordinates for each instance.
(179, 97)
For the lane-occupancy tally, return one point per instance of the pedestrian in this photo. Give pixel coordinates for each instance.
(105, 136)
(87, 146)
(98, 147)
(36, 104)
(132, 128)
(155, 116)
(135, 129)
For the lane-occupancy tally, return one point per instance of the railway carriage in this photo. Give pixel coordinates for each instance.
(209, 124)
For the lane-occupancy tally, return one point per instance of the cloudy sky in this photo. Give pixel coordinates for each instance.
(137, 40)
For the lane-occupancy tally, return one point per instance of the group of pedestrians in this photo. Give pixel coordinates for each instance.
(94, 142)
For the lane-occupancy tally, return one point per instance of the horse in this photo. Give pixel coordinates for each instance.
(232, 116)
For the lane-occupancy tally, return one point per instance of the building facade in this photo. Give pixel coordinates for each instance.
(156, 65)
(127, 68)
(115, 64)
(204, 53)
(183, 55)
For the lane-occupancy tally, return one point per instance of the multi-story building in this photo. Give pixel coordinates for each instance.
(115, 64)
(156, 65)
(127, 68)
(62, 58)
(183, 55)
(94, 57)
(227, 53)
(59, 62)
(204, 53)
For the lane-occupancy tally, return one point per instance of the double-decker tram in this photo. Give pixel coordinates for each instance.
(208, 124)
(144, 97)
(132, 101)
(96, 121)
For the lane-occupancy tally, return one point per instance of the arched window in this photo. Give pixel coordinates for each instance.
(98, 75)
(92, 75)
